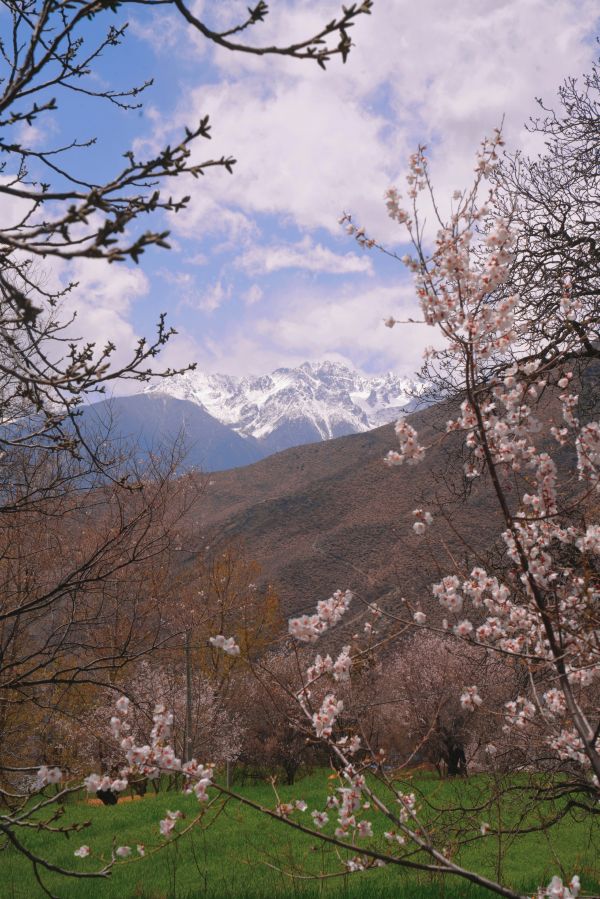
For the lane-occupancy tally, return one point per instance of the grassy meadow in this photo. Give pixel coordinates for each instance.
(237, 852)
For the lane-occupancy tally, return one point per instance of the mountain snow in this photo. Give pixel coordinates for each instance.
(315, 401)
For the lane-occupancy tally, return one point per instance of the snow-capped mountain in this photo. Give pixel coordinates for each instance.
(291, 406)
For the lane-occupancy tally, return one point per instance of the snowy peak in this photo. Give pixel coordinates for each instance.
(290, 406)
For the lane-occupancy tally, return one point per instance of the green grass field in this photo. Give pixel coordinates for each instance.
(240, 853)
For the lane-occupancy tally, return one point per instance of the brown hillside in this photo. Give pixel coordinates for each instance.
(331, 515)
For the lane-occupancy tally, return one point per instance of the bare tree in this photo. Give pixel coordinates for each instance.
(85, 583)
(552, 202)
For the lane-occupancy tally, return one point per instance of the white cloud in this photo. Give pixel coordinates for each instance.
(99, 308)
(253, 295)
(346, 324)
(350, 323)
(37, 137)
(310, 143)
(180, 279)
(305, 254)
(197, 259)
(167, 32)
(208, 217)
(181, 350)
(213, 296)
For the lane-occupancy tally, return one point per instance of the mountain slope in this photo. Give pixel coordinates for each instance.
(153, 422)
(332, 515)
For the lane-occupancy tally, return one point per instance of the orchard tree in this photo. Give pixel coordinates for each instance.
(422, 718)
(85, 586)
(276, 738)
(215, 592)
(550, 202)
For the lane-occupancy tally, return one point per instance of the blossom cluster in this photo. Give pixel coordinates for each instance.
(348, 803)
(339, 669)
(423, 520)
(324, 720)
(410, 450)
(557, 890)
(150, 760)
(470, 698)
(309, 628)
(226, 644)
(46, 776)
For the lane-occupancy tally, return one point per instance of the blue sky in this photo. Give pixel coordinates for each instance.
(261, 274)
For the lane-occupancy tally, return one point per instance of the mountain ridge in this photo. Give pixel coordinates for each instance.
(295, 406)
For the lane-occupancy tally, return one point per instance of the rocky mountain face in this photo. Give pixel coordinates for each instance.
(223, 422)
(294, 406)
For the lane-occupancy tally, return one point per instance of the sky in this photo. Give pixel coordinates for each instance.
(261, 274)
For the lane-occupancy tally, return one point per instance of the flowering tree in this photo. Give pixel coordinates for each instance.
(85, 741)
(552, 202)
(421, 716)
(275, 735)
(84, 585)
(542, 610)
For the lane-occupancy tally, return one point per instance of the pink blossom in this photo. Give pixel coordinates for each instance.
(309, 628)
(166, 826)
(365, 829)
(46, 776)
(325, 718)
(118, 785)
(122, 705)
(320, 818)
(590, 541)
(410, 450)
(556, 889)
(227, 645)
(342, 665)
(470, 699)
(393, 837)
(92, 783)
(463, 628)
(519, 712)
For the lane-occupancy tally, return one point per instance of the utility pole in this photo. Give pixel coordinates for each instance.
(187, 740)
